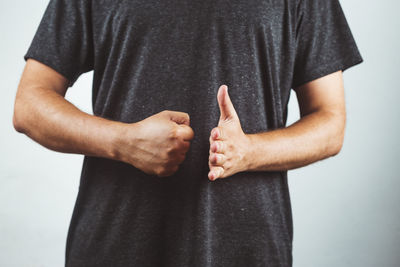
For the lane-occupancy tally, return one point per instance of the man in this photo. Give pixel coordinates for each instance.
(177, 171)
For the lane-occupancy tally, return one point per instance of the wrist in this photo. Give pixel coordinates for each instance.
(249, 158)
(257, 156)
(118, 135)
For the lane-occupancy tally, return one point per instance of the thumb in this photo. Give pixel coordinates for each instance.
(226, 108)
(178, 117)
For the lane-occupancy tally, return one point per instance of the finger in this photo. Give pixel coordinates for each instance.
(185, 145)
(186, 132)
(178, 117)
(215, 173)
(225, 104)
(217, 147)
(217, 159)
(217, 133)
(180, 158)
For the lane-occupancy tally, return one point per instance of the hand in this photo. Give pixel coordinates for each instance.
(228, 143)
(157, 144)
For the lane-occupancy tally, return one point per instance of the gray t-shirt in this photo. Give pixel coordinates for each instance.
(152, 55)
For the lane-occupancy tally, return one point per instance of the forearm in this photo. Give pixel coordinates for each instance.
(314, 137)
(49, 119)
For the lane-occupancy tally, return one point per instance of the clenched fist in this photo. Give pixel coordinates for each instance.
(157, 144)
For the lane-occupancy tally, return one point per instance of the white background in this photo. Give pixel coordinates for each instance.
(346, 208)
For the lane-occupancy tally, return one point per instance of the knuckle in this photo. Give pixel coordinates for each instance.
(227, 166)
(187, 116)
(230, 146)
(223, 160)
(173, 134)
(168, 152)
(165, 171)
(221, 133)
(218, 146)
(221, 146)
(159, 171)
(212, 146)
(171, 149)
(185, 147)
(164, 112)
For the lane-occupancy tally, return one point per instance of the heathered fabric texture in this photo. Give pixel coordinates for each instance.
(152, 55)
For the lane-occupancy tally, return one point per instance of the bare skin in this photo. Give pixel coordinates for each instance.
(156, 145)
(317, 135)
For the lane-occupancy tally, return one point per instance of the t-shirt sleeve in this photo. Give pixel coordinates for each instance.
(324, 42)
(63, 40)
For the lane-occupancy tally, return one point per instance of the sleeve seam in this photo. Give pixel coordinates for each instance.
(328, 68)
(49, 63)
